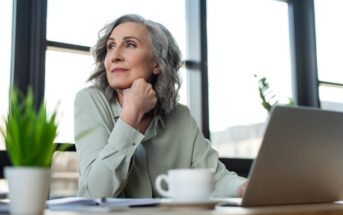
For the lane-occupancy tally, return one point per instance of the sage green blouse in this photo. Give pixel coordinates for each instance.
(116, 160)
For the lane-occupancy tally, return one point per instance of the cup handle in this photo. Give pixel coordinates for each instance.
(158, 184)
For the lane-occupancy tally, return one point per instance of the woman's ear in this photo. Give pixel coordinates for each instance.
(156, 70)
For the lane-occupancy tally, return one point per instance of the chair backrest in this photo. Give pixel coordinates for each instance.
(240, 166)
(4, 161)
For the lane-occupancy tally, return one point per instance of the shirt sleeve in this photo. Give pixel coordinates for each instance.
(204, 156)
(104, 154)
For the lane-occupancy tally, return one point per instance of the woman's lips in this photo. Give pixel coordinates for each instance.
(119, 70)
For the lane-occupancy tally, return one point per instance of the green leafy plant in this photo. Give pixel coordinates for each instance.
(266, 94)
(268, 97)
(29, 134)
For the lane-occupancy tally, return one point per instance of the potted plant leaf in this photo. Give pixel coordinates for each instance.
(29, 136)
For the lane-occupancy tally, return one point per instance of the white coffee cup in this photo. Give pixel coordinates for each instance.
(186, 185)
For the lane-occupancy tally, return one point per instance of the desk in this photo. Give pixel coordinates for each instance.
(318, 209)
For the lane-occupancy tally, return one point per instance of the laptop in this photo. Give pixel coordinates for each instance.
(300, 160)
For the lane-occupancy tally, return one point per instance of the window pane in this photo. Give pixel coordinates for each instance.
(82, 20)
(66, 75)
(245, 37)
(329, 34)
(331, 97)
(5, 55)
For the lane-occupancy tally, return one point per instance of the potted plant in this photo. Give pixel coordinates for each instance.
(29, 136)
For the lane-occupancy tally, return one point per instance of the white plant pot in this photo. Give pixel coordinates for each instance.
(28, 189)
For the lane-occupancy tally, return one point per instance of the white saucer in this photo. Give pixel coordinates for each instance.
(207, 204)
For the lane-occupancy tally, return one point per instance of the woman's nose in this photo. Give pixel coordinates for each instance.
(117, 55)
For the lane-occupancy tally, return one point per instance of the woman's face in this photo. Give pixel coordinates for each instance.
(129, 56)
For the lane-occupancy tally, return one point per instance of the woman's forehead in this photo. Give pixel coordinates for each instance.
(129, 29)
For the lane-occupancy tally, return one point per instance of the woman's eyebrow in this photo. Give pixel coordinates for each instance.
(131, 37)
(124, 38)
(110, 38)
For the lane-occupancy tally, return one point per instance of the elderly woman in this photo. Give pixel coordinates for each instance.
(140, 131)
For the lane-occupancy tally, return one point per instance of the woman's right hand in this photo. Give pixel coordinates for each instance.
(139, 99)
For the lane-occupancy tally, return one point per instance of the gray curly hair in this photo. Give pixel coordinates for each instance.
(165, 52)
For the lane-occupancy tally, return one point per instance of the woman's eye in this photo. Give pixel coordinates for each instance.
(110, 46)
(131, 45)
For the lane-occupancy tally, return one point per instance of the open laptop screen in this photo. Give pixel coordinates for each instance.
(300, 159)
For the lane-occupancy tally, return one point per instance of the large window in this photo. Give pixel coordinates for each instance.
(5, 56)
(66, 73)
(245, 38)
(329, 36)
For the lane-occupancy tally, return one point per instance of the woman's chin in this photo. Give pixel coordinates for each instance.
(120, 83)
(120, 87)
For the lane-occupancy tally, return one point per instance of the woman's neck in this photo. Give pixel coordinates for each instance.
(120, 97)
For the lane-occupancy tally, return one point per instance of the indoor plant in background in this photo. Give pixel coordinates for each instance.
(29, 136)
(268, 98)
